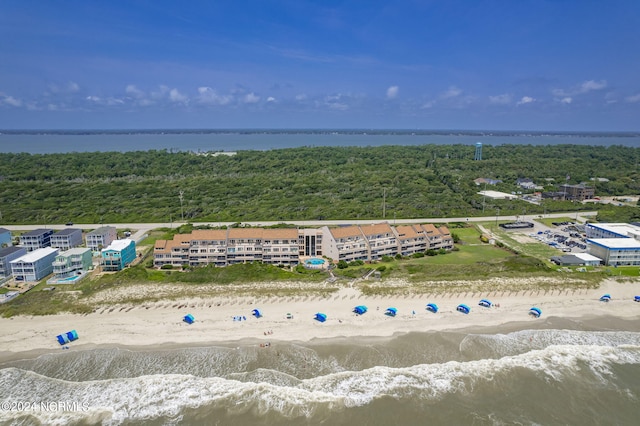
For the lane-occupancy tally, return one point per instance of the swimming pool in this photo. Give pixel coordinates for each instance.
(314, 263)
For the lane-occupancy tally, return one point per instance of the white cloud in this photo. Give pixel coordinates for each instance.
(584, 87)
(392, 92)
(271, 99)
(566, 100)
(207, 95)
(161, 92)
(301, 97)
(503, 99)
(428, 104)
(176, 96)
(10, 100)
(251, 98)
(633, 98)
(525, 100)
(73, 87)
(93, 99)
(452, 92)
(134, 91)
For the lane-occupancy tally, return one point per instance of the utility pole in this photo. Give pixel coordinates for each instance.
(384, 202)
(181, 196)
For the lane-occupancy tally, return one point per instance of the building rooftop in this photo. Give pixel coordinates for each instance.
(280, 233)
(206, 235)
(346, 232)
(35, 255)
(102, 230)
(119, 244)
(68, 231)
(623, 229)
(375, 229)
(9, 250)
(616, 243)
(4, 230)
(74, 251)
(587, 257)
(36, 232)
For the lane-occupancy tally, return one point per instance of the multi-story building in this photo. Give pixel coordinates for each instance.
(34, 265)
(202, 247)
(72, 262)
(101, 237)
(578, 192)
(67, 239)
(118, 255)
(244, 245)
(7, 254)
(381, 240)
(5, 237)
(310, 242)
(615, 251)
(36, 239)
(411, 239)
(346, 243)
(280, 246)
(173, 252)
(612, 230)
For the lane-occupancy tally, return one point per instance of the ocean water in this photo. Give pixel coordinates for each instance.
(94, 141)
(560, 372)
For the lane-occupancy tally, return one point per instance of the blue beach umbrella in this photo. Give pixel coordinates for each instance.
(189, 319)
(391, 312)
(636, 298)
(432, 307)
(605, 298)
(256, 313)
(485, 303)
(360, 309)
(463, 308)
(320, 317)
(536, 312)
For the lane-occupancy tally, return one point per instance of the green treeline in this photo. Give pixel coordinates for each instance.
(299, 183)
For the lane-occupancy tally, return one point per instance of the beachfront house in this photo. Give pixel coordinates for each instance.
(118, 255)
(34, 265)
(72, 262)
(67, 239)
(36, 239)
(5, 237)
(101, 237)
(7, 254)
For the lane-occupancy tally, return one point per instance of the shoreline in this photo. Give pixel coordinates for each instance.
(159, 325)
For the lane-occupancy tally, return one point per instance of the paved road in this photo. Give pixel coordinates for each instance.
(145, 227)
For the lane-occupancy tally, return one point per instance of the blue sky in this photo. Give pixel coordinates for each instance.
(503, 65)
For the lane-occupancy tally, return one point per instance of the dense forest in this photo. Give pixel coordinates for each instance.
(304, 183)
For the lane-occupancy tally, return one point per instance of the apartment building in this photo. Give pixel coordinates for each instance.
(612, 230)
(7, 254)
(72, 262)
(615, 251)
(346, 243)
(411, 239)
(118, 255)
(173, 252)
(203, 247)
(101, 237)
(34, 265)
(280, 246)
(310, 242)
(381, 240)
(36, 239)
(67, 239)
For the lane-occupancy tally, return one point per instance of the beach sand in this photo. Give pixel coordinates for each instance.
(160, 324)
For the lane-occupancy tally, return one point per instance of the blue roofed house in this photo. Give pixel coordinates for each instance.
(119, 254)
(34, 265)
(7, 254)
(66, 239)
(5, 237)
(36, 239)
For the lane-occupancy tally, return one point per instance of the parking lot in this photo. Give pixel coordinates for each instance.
(565, 236)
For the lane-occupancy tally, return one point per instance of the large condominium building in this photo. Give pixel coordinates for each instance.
(67, 239)
(34, 265)
(612, 230)
(101, 237)
(119, 254)
(615, 251)
(286, 246)
(36, 239)
(7, 254)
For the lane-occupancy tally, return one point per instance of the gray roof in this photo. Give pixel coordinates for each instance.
(4, 230)
(37, 232)
(101, 230)
(68, 231)
(9, 250)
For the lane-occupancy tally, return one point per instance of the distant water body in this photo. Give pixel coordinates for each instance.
(47, 142)
(559, 372)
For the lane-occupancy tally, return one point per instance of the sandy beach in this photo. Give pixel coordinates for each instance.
(160, 324)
